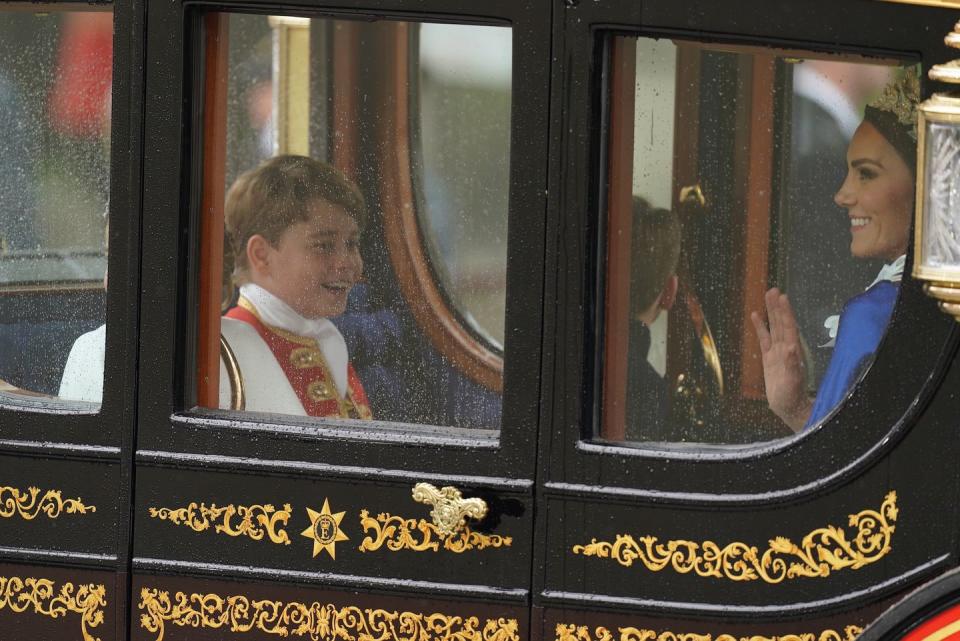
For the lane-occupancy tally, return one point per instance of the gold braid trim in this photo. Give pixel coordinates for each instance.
(40, 596)
(570, 632)
(418, 535)
(314, 620)
(256, 521)
(308, 356)
(821, 551)
(30, 504)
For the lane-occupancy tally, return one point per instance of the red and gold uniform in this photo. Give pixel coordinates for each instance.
(306, 369)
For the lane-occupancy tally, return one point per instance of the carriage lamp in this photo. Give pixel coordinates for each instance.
(937, 235)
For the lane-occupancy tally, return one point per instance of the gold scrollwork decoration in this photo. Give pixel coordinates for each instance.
(570, 632)
(30, 504)
(450, 510)
(419, 535)
(319, 622)
(254, 521)
(41, 596)
(820, 552)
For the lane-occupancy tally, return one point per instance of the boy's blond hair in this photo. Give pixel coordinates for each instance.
(277, 194)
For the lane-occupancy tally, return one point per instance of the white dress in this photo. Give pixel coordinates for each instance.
(82, 378)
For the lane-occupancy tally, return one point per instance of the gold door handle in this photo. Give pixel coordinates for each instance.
(450, 510)
(693, 195)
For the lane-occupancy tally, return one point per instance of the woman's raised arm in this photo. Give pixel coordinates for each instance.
(784, 373)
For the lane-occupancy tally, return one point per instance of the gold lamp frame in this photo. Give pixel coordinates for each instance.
(943, 282)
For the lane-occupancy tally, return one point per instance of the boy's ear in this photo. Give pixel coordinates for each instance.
(669, 295)
(258, 254)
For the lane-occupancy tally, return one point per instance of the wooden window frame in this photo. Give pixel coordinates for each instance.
(403, 231)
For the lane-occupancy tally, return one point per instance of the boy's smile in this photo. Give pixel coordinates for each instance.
(314, 264)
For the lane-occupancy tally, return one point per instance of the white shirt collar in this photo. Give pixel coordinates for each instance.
(814, 86)
(892, 272)
(277, 313)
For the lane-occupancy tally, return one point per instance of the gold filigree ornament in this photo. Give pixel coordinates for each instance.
(41, 596)
(820, 552)
(252, 521)
(570, 632)
(419, 535)
(325, 530)
(316, 621)
(450, 510)
(30, 504)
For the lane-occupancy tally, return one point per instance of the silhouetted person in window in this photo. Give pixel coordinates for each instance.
(655, 245)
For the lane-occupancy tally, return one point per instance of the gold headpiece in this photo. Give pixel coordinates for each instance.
(900, 99)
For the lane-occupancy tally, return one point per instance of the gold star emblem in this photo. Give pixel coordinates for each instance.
(325, 530)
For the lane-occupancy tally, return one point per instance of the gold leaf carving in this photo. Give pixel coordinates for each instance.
(319, 622)
(450, 510)
(30, 504)
(820, 552)
(40, 596)
(253, 521)
(570, 632)
(420, 535)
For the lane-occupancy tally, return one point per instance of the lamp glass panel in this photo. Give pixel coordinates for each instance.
(941, 203)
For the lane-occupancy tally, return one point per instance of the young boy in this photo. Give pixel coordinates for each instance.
(655, 239)
(293, 225)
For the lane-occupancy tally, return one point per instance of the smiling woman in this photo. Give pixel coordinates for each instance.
(878, 196)
(799, 183)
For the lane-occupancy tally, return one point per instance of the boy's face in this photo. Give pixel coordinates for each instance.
(315, 263)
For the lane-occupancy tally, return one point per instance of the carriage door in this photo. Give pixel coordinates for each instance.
(703, 144)
(345, 451)
(67, 341)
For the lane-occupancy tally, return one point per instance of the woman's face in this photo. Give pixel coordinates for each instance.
(878, 196)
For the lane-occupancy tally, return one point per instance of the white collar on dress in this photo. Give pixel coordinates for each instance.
(277, 313)
(892, 272)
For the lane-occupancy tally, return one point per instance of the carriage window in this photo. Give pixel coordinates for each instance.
(758, 207)
(55, 81)
(353, 217)
(465, 180)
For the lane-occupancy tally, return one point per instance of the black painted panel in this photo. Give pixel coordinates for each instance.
(493, 568)
(94, 482)
(57, 603)
(231, 611)
(896, 432)
(562, 624)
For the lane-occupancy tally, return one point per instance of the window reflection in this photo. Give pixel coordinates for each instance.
(322, 230)
(778, 306)
(464, 109)
(55, 81)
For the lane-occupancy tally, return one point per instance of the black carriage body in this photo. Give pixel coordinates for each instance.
(206, 525)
